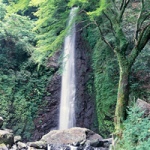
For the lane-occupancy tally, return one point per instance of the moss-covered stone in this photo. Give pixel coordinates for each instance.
(6, 137)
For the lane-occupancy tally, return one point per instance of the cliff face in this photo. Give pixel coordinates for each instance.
(85, 106)
(48, 116)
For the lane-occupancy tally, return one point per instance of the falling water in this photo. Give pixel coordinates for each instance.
(67, 112)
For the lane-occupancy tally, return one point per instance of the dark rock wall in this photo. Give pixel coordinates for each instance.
(85, 104)
(48, 118)
(85, 107)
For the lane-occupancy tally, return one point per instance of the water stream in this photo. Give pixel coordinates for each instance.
(67, 101)
(67, 104)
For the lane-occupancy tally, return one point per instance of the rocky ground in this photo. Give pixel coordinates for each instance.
(69, 139)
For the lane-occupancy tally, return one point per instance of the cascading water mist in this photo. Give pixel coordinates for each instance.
(67, 103)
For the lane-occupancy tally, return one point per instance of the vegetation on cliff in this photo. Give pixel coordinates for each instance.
(22, 86)
(118, 32)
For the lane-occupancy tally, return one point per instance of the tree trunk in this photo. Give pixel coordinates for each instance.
(122, 98)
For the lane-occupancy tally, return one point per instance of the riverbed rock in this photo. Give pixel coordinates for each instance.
(38, 144)
(3, 147)
(14, 147)
(32, 148)
(70, 136)
(21, 146)
(17, 139)
(6, 137)
(1, 121)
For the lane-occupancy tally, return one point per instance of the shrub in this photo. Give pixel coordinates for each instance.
(136, 134)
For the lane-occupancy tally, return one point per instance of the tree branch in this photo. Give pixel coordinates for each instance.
(138, 23)
(102, 36)
(111, 23)
(145, 18)
(144, 38)
(85, 26)
(125, 4)
(122, 4)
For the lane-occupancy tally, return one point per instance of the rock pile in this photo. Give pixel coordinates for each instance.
(69, 139)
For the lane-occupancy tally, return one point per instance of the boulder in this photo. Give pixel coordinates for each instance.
(32, 148)
(14, 147)
(6, 137)
(37, 144)
(21, 145)
(17, 139)
(70, 136)
(94, 143)
(1, 122)
(3, 147)
(144, 106)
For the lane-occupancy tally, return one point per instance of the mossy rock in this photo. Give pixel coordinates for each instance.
(6, 137)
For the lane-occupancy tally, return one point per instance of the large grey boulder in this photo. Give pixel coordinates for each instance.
(70, 136)
(6, 137)
(1, 122)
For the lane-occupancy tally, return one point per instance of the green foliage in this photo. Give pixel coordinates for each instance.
(2, 11)
(22, 94)
(16, 5)
(140, 76)
(77, 3)
(22, 87)
(102, 6)
(15, 34)
(136, 134)
(105, 83)
(106, 70)
(51, 27)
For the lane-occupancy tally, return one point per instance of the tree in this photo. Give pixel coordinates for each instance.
(125, 27)
(125, 45)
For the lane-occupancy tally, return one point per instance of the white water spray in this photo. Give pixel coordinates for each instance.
(67, 108)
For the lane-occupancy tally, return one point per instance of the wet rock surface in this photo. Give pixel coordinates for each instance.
(85, 104)
(48, 118)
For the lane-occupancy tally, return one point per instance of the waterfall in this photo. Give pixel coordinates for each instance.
(67, 102)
